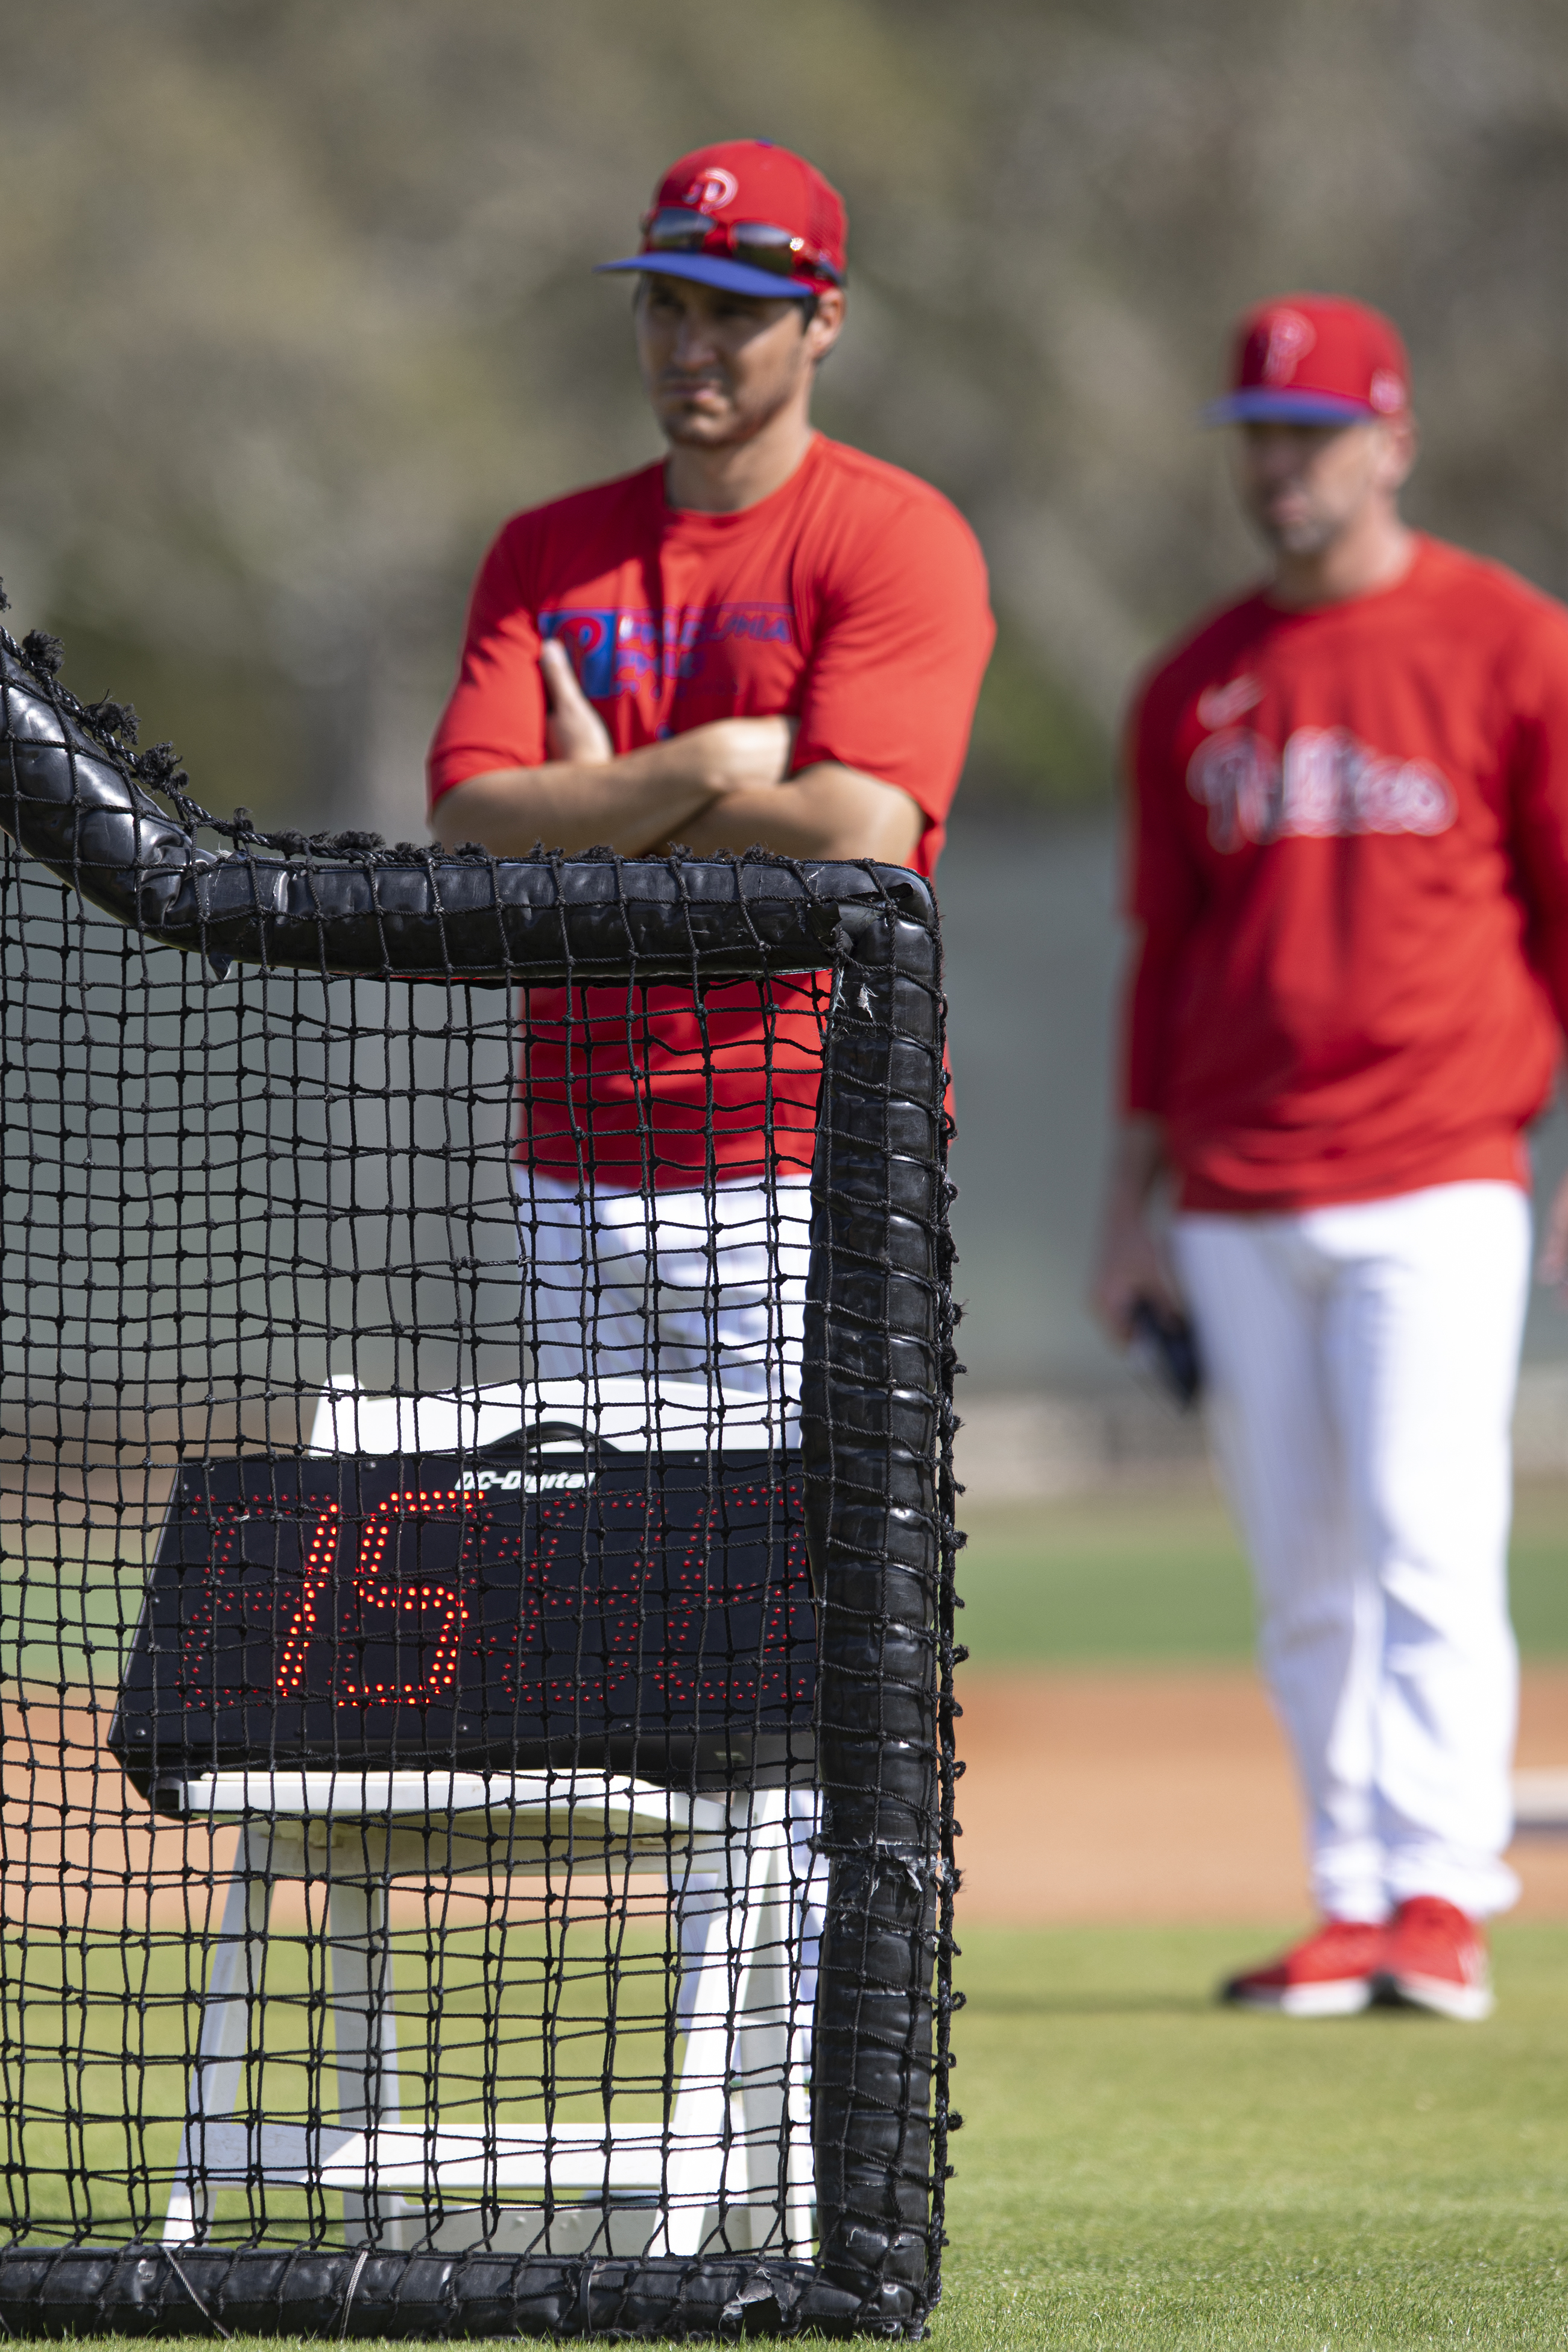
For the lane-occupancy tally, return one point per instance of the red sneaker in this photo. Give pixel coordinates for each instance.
(1332, 1973)
(1436, 1958)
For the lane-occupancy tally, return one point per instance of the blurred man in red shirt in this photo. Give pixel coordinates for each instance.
(765, 638)
(1349, 888)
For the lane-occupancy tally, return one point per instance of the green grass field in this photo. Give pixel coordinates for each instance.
(1162, 1578)
(1142, 2169)
(1143, 2172)
(1138, 2168)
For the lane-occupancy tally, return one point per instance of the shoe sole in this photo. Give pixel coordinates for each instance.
(1342, 1997)
(1466, 2004)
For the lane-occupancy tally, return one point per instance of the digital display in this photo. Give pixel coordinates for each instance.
(371, 1612)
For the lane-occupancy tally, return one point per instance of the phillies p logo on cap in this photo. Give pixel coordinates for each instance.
(1315, 359)
(1287, 338)
(712, 190)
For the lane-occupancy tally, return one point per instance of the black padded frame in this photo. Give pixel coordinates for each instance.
(876, 1432)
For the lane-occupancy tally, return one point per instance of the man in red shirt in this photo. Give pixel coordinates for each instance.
(765, 638)
(1349, 888)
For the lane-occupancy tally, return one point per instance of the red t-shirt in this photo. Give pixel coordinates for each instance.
(1350, 869)
(852, 600)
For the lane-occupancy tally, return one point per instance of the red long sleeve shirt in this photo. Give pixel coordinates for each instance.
(853, 600)
(1350, 879)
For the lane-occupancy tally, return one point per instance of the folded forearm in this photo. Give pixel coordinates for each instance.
(825, 810)
(631, 804)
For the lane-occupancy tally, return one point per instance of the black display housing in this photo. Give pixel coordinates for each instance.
(647, 1614)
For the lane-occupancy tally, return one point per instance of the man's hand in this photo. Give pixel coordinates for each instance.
(726, 755)
(1132, 1264)
(1553, 1265)
(574, 731)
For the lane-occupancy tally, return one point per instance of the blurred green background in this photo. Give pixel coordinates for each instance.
(298, 304)
(1160, 1579)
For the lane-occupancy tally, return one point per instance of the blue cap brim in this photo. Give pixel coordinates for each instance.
(1260, 404)
(716, 269)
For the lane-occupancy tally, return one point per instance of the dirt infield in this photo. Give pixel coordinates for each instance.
(1165, 1795)
(1137, 1795)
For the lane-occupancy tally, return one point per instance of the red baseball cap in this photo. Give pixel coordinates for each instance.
(746, 216)
(1315, 359)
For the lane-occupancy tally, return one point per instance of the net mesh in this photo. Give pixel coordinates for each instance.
(476, 1620)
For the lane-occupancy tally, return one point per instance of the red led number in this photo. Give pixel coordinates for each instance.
(406, 1597)
(410, 1598)
(320, 1562)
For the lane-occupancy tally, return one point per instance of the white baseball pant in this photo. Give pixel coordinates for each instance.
(702, 1284)
(1361, 1364)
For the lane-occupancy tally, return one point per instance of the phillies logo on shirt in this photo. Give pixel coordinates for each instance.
(1222, 706)
(590, 639)
(1325, 783)
(614, 651)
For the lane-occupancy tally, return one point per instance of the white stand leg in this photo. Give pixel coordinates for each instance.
(728, 2113)
(809, 1899)
(213, 2090)
(366, 2025)
(757, 2173)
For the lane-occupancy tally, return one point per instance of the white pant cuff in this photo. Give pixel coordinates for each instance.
(1479, 1889)
(1366, 1908)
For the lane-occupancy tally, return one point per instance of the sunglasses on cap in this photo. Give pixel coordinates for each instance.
(678, 228)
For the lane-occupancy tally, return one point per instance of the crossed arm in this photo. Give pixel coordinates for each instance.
(722, 786)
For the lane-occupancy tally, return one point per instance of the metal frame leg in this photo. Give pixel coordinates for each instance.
(212, 2091)
(366, 2026)
(728, 2122)
(807, 1872)
(756, 2178)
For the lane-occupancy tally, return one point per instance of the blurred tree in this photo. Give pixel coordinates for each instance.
(298, 305)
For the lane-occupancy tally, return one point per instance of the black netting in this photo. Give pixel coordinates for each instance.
(476, 1617)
